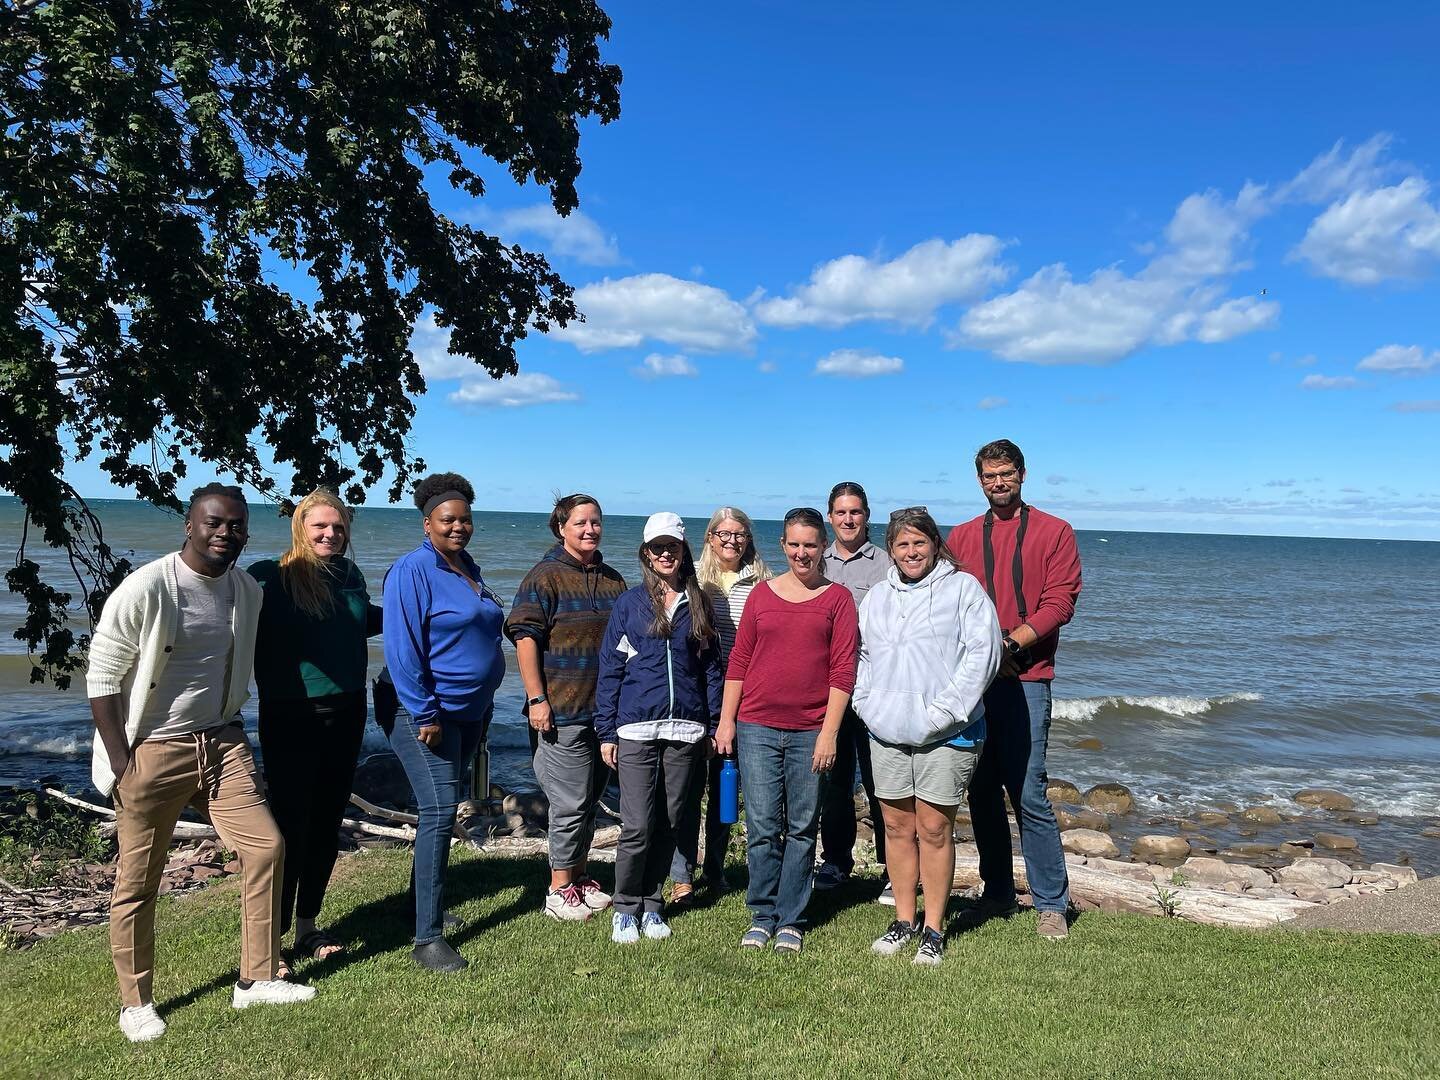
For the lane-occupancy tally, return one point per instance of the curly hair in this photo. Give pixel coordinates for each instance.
(227, 491)
(438, 484)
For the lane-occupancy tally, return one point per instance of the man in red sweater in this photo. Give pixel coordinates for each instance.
(1028, 563)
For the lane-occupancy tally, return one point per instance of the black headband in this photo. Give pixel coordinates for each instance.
(443, 497)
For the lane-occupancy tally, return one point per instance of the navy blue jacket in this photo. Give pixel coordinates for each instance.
(673, 678)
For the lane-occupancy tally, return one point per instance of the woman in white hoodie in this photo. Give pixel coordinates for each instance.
(929, 645)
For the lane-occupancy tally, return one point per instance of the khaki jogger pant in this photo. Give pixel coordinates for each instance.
(214, 772)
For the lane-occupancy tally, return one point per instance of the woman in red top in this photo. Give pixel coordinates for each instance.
(790, 675)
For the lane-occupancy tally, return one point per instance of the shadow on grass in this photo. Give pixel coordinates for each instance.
(387, 924)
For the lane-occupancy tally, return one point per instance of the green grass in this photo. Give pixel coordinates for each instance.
(1125, 996)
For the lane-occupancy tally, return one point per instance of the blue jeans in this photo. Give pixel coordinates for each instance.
(438, 778)
(1017, 719)
(782, 817)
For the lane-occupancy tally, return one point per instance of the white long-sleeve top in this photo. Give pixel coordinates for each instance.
(134, 639)
(928, 651)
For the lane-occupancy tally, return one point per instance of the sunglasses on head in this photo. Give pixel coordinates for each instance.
(909, 511)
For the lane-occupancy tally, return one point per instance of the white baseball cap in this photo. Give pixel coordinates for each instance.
(664, 524)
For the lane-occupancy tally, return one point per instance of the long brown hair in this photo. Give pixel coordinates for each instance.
(702, 621)
(302, 572)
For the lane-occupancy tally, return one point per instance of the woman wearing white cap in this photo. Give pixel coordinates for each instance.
(657, 703)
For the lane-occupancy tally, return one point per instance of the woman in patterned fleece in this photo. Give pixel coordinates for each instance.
(556, 623)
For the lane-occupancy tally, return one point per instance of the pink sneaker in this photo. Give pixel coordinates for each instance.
(567, 904)
(596, 898)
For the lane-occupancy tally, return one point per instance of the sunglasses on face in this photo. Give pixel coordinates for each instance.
(664, 547)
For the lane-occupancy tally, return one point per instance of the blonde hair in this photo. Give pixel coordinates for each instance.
(302, 572)
(710, 569)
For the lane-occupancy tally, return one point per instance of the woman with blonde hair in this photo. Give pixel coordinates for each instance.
(730, 567)
(310, 660)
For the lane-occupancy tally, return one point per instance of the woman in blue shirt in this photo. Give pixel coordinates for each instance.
(442, 649)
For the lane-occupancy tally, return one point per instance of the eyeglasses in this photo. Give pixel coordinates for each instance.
(909, 511)
(666, 547)
(1005, 475)
(726, 537)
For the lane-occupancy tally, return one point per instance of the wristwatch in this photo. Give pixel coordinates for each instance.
(1011, 645)
(536, 700)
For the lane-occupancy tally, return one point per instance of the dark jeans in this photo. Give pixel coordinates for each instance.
(655, 782)
(837, 812)
(1017, 724)
(717, 835)
(782, 815)
(309, 749)
(438, 778)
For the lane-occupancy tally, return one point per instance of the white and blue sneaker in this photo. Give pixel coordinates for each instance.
(654, 927)
(624, 929)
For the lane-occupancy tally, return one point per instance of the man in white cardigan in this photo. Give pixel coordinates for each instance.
(170, 666)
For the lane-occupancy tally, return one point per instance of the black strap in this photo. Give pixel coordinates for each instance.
(1017, 566)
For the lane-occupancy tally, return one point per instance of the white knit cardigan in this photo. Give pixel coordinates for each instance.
(134, 639)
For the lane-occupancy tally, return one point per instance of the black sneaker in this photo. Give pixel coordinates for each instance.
(932, 948)
(896, 938)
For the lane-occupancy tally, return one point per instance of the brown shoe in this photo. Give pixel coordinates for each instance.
(1052, 926)
(682, 894)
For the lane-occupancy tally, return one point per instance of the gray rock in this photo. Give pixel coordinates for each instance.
(1203, 870)
(1062, 791)
(1324, 798)
(1160, 849)
(1212, 818)
(1358, 817)
(1326, 873)
(1110, 798)
(1081, 817)
(532, 806)
(1088, 842)
(1134, 871)
(1315, 894)
(1261, 815)
(381, 779)
(1336, 841)
(1403, 875)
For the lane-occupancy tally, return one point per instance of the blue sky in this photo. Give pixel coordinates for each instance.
(1187, 259)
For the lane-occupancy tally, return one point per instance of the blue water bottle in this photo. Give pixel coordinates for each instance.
(729, 793)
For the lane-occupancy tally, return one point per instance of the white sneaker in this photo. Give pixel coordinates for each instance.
(894, 939)
(596, 898)
(141, 1023)
(271, 992)
(624, 930)
(654, 927)
(567, 904)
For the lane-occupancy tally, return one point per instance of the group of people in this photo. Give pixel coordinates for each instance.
(926, 662)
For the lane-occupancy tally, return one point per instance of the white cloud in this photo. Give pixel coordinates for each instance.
(1338, 173)
(626, 312)
(907, 289)
(1416, 406)
(858, 364)
(431, 345)
(1372, 236)
(767, 367)
(513, 391)
(1329, 382)
(992, 403)
(658, 366)
(576, 236)
(1401, 359)
(1054, 319)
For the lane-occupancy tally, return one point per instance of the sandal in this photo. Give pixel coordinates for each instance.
(682, 893)
(318, 945)
(757, 937)
(789, 940)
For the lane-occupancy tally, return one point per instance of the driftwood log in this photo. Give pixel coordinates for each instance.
(1109, 891)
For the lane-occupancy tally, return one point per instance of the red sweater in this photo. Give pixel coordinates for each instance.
(1051, 577)
(789, 656)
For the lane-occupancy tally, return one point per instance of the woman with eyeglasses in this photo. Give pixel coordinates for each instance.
(789, 678)
(557, 623)
(730, 568)
(442, 650)
(929, 646)
(657, 703)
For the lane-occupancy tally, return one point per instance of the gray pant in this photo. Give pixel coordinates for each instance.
(655, 782)
(565, 760)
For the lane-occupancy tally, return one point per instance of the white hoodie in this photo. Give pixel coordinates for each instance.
(928, 651)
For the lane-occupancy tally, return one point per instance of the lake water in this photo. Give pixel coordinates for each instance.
(1211, 668)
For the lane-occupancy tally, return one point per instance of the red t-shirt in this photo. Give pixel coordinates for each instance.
(789, 656)
(1051, 576)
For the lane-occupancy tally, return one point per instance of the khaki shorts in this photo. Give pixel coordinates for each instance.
(938, 774)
